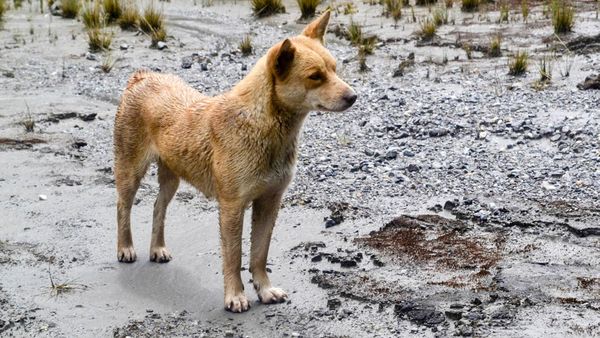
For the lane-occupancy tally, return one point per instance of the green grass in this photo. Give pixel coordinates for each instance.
(495, 44)
(246, 46)
(504, 12)
(393, 8)
(308, 8)
(354, 33)
(563, 16)
(70, 8)
(112, 10)
(92, 16)
(470, 5)
(152, 19)
(428, 29)
(130, 18)
(524, 10)
(518, 64)
(263, 8)
(99, 40)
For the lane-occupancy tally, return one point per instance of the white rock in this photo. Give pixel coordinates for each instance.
(43, 197)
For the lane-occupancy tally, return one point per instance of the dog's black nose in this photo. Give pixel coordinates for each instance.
(350, 99)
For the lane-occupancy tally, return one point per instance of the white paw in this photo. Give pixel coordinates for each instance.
(272, 295)
(126, 254)
(236, 302)
(160, 254)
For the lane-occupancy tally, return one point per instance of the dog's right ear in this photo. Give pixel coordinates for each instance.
(280, 59)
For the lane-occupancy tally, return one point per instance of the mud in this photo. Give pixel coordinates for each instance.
(452, 199)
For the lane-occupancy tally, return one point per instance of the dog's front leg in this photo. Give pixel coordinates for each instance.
(264, 214)
(231, 217)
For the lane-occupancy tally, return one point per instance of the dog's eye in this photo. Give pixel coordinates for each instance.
(316, 77)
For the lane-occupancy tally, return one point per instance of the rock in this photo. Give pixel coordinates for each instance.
(334, 304)
(91, 56)
(161, 45)
(348, 263)
(590, 82)
(438, 132)
(454, 314)
(391, 154)
(408, 153)
(450, 205)
(413, 168)
(88, 117)
(203, 67)
(244, 67)
(43, 197)
(124, 46)
(317, 258)
(55, 9)
(419, 314)
(79, 144)
(187, 62)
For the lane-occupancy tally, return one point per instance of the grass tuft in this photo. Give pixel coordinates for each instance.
(393, 8)
(308, 8)
(2, 9)
(518, 64)
(354, 33)
(246, 46)
(470, 5)
(263, 8)
(99, 40)
(524, 10)
(108, 62)
(28, 123)
(504, 12)
(563, 16)
(428, 29)
(545, 67)
(495, 44)
(440, 16)
(112, 10)
(70, 8)
(130, 18)
(92, 16)
(158, 35)
(152, 20)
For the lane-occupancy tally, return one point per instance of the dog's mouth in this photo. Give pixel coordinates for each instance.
(337, 109)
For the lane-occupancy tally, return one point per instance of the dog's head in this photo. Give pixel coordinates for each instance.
(305, 72)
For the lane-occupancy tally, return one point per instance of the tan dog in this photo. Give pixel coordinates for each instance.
(239, 147)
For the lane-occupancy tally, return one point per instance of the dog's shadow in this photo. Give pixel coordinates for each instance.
(172, 286)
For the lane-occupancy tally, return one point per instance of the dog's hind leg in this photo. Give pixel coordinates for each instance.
(128, 175)
(169, 182)
(264, 214)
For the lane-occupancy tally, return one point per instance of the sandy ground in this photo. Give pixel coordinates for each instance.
(458, 219)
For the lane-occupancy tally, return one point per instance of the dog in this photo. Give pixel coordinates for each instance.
(239, 147)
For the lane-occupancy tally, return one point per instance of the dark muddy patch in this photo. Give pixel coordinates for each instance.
(19, 144)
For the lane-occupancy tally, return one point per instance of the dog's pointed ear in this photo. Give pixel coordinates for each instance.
(317, 28)
(280, 59)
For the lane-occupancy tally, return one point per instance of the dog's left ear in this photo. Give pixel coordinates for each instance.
(317, 28)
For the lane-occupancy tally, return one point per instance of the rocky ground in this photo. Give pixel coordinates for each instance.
(452, 199)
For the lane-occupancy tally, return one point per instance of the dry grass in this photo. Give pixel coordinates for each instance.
(99, 40)
(92, 16)
(354, 33)
(449, 3)
(427, 30)
(112, 10)
(524, 10)
(563, 16)
(263, 8)
(495, 44)
(425, 2)
(158, 35)
(108, 62)
(308, 8)
(152, 19)
(440, 16)
(70, 8)
(2, 9)
(504, 12)
(130, 18)
(545, 68)
(470, 5)
(246, 46)
(518, 64)
(57, 289)
(28, 123)
(393, 8)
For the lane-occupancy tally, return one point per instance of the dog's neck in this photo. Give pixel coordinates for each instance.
(259, 100)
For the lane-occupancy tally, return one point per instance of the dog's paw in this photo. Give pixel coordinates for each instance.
(272, 295)
(126, 254)
(236, 303)
(160, 254)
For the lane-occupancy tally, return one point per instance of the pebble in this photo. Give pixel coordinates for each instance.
(124, 46)
(43, 197)
(161, 45)
(91, 56)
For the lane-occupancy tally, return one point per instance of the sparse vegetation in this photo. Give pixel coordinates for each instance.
(468, 50)
(70, 8)
(57, 289)
(393, 8)
(494, 50)
(263, 8)
(308, 7)
(440, 16)
(152, 20)
(99, 40)
(108, 62)
(545, 68)
(518, 64)
(428, 29)
(112, 10)
(246, 46)
(349, 8)
(362, 61)
(92, 16)
(504, 12)
(563, 16)
(2, 9)
(425, 2)
(354, 33)
(470, 5)
(28, 123)
(130, 17)
(158, 35)
(524, 10)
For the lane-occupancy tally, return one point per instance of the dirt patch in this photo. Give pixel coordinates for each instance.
(26, 143)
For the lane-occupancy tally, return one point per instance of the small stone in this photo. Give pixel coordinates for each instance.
(412, 168)
(124, 46)
(333, 304)
(203, 67)
(348, 263)
(91, 56)
(43, 197)
(187, 62)
(408, 153)
(450, 205)
(244, 67)
(161, 45)
(391, 154)
(454, 314)
(317, 258)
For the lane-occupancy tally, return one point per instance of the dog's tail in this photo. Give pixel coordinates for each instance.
(138, 76)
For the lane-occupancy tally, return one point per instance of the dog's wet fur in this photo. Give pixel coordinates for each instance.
(239, 147)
